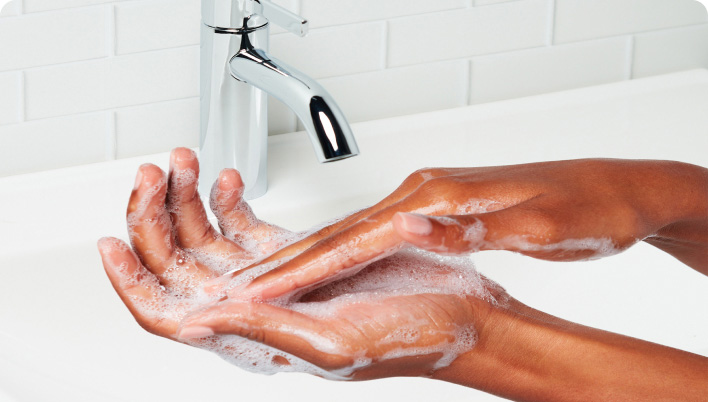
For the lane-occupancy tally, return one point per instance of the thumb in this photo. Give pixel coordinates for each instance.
(452, 234)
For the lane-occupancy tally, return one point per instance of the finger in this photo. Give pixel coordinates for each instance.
(404, 190)
(150, 228)
(137, 287)
(445, 235)
(192, 227)
(149, 224)
(236, 219)
(297, 334)
(343, 254)
(188, 215)
(522, 228)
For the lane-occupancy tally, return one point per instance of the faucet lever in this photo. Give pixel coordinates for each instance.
(284, 18)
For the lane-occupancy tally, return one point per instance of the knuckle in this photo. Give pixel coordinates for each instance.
(325, 231)
(420, 176)
(437, 189)
(256, 335)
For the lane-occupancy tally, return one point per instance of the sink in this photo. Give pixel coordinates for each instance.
(64, 334)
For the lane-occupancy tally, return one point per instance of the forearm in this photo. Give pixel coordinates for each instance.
(525, 355)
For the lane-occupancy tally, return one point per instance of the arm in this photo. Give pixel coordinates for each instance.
(520, 353)
(531, 356)
(559, 211)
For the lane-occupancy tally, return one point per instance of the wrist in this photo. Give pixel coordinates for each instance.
(524, 354)
(672, 193)
(681, 227)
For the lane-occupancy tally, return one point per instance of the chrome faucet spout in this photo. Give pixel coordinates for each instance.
(329, 131)
(237, 74)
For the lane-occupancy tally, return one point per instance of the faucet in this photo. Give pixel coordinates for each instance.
(237, 74)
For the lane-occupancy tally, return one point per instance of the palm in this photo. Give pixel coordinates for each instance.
(406, 314)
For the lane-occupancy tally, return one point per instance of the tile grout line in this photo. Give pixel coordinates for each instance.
(21, 99)
(99, 111)
(96, 59)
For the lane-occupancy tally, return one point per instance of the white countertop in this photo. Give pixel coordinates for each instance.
(55, 302)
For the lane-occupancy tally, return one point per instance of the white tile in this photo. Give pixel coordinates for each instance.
(333, 51)
(52, 143)
(589, 19)
(14, 7)
(400, 91)
(142, 26)
(149, 129)
(32, 6)
(325, 13)
(10, 98)
(467, 32)
(51, 38)
(549, 69)
(670, 50)
(115, 82)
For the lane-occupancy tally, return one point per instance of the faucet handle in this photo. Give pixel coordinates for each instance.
(284, 18)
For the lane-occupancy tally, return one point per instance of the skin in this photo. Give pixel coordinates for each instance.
(159, 271)
(160, 292)
(521, 353)
(533, 209)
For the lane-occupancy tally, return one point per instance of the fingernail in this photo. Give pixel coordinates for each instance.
(104, 243)
(416, 224)
(138, 179)
(194, 332)
(224, 181)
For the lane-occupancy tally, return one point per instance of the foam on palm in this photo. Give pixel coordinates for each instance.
(399, 278)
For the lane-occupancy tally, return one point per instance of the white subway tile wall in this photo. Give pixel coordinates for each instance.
(84, 81)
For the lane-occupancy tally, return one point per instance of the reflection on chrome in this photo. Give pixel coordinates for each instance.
(329, 131)
(236, 74)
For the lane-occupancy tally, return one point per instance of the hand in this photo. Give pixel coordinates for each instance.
(176, 249)
(405, 315)
(559, 211)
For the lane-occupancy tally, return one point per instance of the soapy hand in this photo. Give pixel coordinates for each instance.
(405, 315)
(558, 211)
(408, 314)
(175, 247)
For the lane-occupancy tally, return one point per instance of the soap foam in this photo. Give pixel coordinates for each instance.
(397, 275)
(599, 247)
(395, 279)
